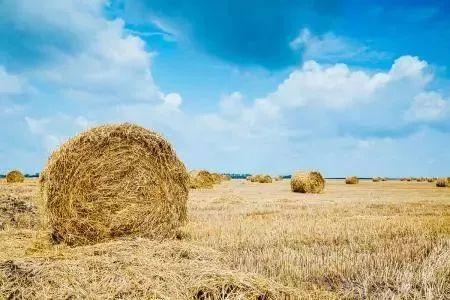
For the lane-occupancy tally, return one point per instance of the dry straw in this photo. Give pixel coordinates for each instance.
(14, 176)
(114, 180)
(201, 179)
(261, 178)
(442, 182)
(307, 182)
(351, 180)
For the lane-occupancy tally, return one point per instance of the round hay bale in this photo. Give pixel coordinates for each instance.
(264, 178)
(114, 180)
(442, 182)
(261, 178)
(376, 179)
(351, 180)
(278, 178)
(201, 179)
(429, 179)
(307, 182)
(15, 176)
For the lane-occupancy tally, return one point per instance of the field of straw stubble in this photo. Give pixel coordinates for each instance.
(247, 240)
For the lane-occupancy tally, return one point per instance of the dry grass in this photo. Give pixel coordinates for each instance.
(114, 180)
(389, 240)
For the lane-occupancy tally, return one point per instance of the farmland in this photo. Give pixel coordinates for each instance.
(246, 240)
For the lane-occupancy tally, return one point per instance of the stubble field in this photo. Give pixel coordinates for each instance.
(247, 240)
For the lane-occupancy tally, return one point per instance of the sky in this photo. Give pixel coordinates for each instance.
(344, 87)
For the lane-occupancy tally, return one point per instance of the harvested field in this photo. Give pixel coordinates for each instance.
(380, 240)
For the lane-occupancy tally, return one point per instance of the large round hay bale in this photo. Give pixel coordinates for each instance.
(201, 179)
(307, 182)
(14, 176)
(114, 180)
(351, 180)
(442, 182)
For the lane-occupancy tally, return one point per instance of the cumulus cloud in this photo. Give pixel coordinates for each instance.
(337, 86)
(428, 107)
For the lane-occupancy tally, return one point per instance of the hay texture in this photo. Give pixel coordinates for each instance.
(261, 178)
(216, 177)
(307, 182)
(114, 180)
(442, 182)
(351, 180)
(14, 176)
(201, 179)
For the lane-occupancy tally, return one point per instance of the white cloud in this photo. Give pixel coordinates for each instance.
(10, 85)
(231, 104)
(173, 100)
(337, 86)
(329, 47)
(54, 130)
(428, 106)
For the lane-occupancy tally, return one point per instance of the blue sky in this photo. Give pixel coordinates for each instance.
(345, 87)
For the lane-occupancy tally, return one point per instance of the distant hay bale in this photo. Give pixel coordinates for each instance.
(442, 182)
(307, 182)
(261, 178)
(429, 179)
(376, 179)
(226, 177)
(265, 179)
(15, 176)
(351, 180)
(408, 179)
(383, 178)
(114, 180)
(278, 178)
(201, 179)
